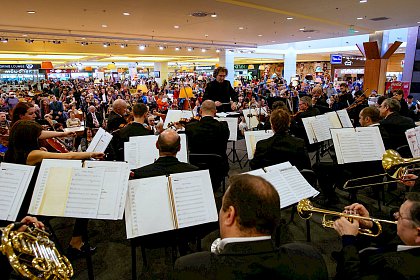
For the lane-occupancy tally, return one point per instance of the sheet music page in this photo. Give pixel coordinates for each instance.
(252, 138)
(75, 129)
(279, 166)
(146, 149)
(100, 141)
(307, 124)
(321, 127)
(114, 189)
(221, 114)
(418, 134)
(233, 127)
(193, 198)
(287, 197)
(256, 172)
(410, 134)
(131, 154)
(149, 207)
(172, 116)
(187, 114)
(334, 121)
(348, 145)
(251, 119)
(336, 143)
(14, 182)
(343, 115)
(370, 143)
(71, 192)
(301, 188)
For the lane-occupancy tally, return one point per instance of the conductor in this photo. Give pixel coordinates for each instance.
(221, 91)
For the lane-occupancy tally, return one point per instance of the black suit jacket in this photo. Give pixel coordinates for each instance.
(253, 260)
(209, 136)
(222, 92)
(279, 148)
(395, 125)
(163, 166)
(89, 120)
(114, 121)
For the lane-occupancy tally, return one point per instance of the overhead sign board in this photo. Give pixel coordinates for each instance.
(20, 66)
(336, 59)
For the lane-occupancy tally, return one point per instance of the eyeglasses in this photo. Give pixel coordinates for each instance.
(397, 216)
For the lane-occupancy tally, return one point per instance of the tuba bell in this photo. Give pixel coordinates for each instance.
(33, 255)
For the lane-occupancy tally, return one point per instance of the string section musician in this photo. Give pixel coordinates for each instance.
(221, 92)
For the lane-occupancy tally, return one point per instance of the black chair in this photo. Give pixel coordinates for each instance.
(214, 163)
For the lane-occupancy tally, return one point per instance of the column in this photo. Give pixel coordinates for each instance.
(227, 59)
(162, 67)
(290, 64)
(411, 72)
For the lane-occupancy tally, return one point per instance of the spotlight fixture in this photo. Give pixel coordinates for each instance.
(29, 41)
(4, 40)
(161, 48)
(142, 47)
(189, 49)
(177, 48)
(106, 45)
(302, 29)
(203, 50)
(126, 13)
(56, 42)
(123, 46)
(84, 43)
(363, 1)
(213, 15)
(289, 18)
(30, 12)
(217, 50)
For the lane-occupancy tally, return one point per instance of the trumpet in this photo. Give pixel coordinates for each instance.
(394, 166)
(33, 255)
(305, 210)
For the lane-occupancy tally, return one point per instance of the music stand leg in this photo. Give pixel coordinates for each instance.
(133, 260)
(89, 261)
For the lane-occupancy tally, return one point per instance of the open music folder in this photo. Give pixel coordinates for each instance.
(175, 115)
(288, 181)
(141, 150)
(357, 144)
(318, 127)
(252, 137)
(162, 203)
(100, 141)
(66, 189)
(233, 127)
(413, 139)
(14, 182)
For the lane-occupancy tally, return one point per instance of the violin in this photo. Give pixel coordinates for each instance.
(359, 100)
(54, 145)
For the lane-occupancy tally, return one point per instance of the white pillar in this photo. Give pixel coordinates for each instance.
(227, 59)
(163, 68)
(290, 64)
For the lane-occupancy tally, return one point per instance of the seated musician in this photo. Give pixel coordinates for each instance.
(249, 216)
(281, 146)
(116, 116)
(393, 261)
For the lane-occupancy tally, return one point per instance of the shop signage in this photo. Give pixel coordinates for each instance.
(240, 66)
(60, 71)
(203, 68)
(336, 59)
(18, 71)
(20, 66)
(348, 62)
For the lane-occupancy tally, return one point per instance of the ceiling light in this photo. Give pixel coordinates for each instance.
(359, 18)
(123, 46)
(24, 35)
(29, 41)
(289, 18)
(56, 42)
(213, 15)
(363, 1)
(301, 29)
(161, 47)
(176, 26)
(189, 49)
(240, 28)
(31, 12)
(273, 41)
(126, 13)
(4, 40)
(309, 37)
(259, 35)
(104, 25)
(356, 31)
(84, 43)
(206, 35)
(83, 38)
(418, 22)
(142, 47)
(217, 50)
(203, 50)
(177, 48)
(106, 45)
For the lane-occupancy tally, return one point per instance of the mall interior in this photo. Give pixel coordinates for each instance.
(374, 43)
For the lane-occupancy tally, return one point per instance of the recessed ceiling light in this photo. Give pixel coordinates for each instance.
(203, 50)
(359, 18)
(106, 45)
(142, 47)
(31, 12)
(176, 26)
(309, 37)
(83, 38)
(273, 41)
(126, 13)
(259, 35)
(240, 28)
(177, 48)
(418, 22)
(104, 25)
(217, 50)
(161, 47)
(206, 35)
(189, 49)
(213, 15)
(301, 29)
(123, 46)
(356, 31)
(363, 1)
(289, 18)
(24, 35)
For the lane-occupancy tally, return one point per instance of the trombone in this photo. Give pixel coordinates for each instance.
(394, 166)
(305, 210)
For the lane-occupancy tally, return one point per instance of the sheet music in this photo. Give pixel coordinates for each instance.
(114, 189)
(193, 198)
(251, 121)
(343, 115)
(148, 209)
(279, 166)
(307, 124)
(233, 127)
(334, 121)
(412, 136)
(175, 115)
(100, 141)
(142, 150)
(14, 182)
(321, 126)
(287, 197)
(300, 186)
(64, 190)
(252, 138)
(256, 172)
(75, 129)
(370, 143)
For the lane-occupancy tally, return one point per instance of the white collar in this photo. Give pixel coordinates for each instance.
(401, 248)
(219, 244)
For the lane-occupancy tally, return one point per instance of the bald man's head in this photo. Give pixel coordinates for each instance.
(119, 106)
(208, 108)
(168, 143)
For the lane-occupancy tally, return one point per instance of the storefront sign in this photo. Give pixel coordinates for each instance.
(404, 86)
(204, 68)
(348, 62)
(20, 66)
(240, 66)
(336, 59)
(60, 71)
(18, 71)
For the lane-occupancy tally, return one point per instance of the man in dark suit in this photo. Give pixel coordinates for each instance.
(137, 128)
(392, 262)
(249, 215)
(305, 110)
(209, 136)
(116, 117)
(281, 146)
(93, 118)
(169, 144)
(221, 91)
(393, 123)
